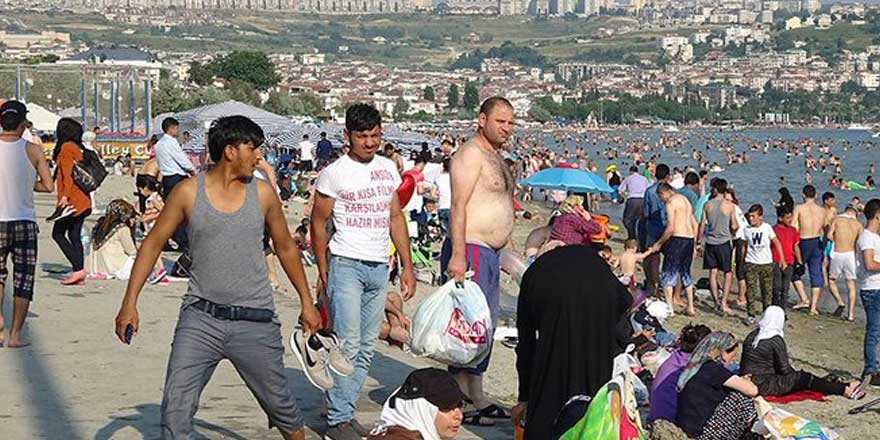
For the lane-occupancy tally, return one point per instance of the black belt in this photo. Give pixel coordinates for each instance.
(234, 313)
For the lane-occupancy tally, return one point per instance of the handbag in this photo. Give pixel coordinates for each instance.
(89, 173)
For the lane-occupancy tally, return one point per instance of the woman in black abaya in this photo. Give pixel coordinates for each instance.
(569, 297)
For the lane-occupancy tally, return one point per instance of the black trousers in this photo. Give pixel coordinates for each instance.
(67, 232)
(168, 184)
(632, 211)
(781, 285)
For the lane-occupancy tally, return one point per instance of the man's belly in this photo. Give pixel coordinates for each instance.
(491, 225)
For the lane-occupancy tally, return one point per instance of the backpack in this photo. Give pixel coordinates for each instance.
(89, 173)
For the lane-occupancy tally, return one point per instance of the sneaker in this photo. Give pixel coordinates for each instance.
(60, 213)
(338, 362)
(358, 428)
(313, 359)
(342, 431)
(749, 321)
(157, 276)
(875, 380)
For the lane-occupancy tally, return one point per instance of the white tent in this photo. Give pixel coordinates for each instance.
(43, 119)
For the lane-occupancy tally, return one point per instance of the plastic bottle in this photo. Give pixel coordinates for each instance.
(86, 240)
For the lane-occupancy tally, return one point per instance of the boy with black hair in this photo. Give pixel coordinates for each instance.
(359, 192)
(228, 311)
(760, 240)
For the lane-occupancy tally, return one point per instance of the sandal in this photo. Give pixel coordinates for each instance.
(476, 419)
(495, 412)
(839, 311)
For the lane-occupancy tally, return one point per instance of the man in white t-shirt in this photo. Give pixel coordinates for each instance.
(306, 154)
(444, 197)
(359, 192)
(869, 286)
(759, 236)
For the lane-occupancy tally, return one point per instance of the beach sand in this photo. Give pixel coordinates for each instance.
(78, 382)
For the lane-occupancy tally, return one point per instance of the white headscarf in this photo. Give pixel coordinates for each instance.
(772, 324)
(414, 415)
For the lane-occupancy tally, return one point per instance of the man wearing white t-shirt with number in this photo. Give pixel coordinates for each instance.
(759, 236)
(306, 154)
(868, 259)
(359, 192)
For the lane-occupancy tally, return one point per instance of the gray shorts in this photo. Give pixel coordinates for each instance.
(254, 348)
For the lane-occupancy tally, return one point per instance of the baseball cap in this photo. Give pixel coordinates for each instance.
(13, 113)
(434, 385)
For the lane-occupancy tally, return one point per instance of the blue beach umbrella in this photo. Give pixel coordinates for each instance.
(567, 179)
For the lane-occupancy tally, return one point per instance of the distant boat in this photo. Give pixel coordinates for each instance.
(670, 129)
(858, 127)
(876, 135)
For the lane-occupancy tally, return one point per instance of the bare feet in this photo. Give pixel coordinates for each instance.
(691, 312)
(727, 311)
(77, 277)
(16, 342)
(853, 392)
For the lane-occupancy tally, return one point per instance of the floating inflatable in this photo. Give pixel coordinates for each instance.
(852, 184)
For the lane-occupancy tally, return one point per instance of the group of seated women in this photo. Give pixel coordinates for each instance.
(704, 392)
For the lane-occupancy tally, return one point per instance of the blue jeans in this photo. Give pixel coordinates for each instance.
(871, 302)
(357, 291)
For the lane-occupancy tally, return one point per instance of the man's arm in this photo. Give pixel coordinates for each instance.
(321, 212)
(667, 233)
(289, 256)
(796, 218)
(182, 160)
(400, 238)
(871, 264)
(798, 258)
(464, 172)
(172, 215)
(829, 234)
(45, 183)
(778, 245)
(734, 221)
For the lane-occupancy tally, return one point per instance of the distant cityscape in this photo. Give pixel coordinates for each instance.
(720, 57)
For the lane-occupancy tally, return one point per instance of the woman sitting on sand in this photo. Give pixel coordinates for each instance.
(664, 395)
(713, 402)
(113, 243)
(765, 358)
(426, 407)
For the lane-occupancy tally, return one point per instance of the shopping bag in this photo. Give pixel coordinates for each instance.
(453, 325)
(780, 424)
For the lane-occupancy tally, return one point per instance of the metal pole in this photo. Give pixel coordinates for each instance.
(18, 83)
(131, 114)
(82, 101)
(27, 91)
(97, 105)
(148, 106)
(118, 106)
(113, 106)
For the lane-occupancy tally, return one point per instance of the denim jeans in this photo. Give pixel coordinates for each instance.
(871, 302)
(357, 291)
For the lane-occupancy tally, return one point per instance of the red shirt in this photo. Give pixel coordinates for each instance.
(788, 237)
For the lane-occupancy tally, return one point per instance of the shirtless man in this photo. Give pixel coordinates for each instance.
(718, 227)
(481, 224)
(844, 233)
(810, 220)
(677, 244)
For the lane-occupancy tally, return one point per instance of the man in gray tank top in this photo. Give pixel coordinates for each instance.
(717, 228)
(228, 311)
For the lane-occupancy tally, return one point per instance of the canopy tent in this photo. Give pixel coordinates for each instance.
(43, 119)
(280, 131)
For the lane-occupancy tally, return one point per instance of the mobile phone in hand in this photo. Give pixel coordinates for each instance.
(129, 332)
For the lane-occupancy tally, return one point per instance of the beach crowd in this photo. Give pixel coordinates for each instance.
(378, 218)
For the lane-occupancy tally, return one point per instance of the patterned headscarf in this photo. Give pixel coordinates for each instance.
(118, 215)
(570, 203)
(708, 350)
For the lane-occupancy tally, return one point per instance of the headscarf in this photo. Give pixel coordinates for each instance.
(709, 350)
(772, 324)
(412, 414)
(118, 215)
(567, 206)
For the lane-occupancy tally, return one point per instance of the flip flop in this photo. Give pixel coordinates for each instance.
(495, 412)
(476, 419)
(800, 306)
(839, 311)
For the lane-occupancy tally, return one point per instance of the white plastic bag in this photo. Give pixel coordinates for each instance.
(453, 325)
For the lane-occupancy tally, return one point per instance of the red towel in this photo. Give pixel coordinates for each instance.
(797, 396)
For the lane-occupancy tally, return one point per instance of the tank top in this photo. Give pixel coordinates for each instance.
(228, 264)
(717, 223)
(17, 178)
